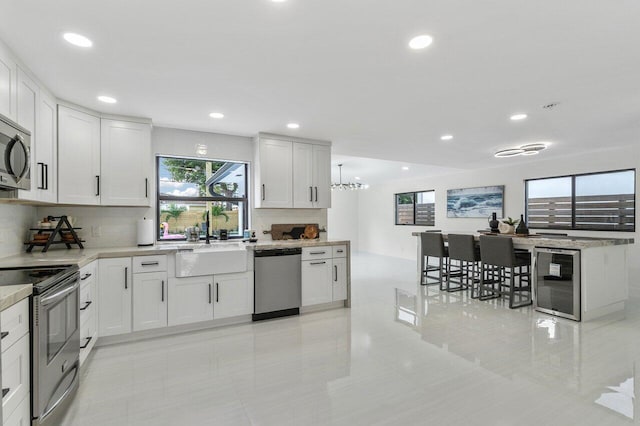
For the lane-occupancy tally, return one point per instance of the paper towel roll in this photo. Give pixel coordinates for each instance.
(145, 232)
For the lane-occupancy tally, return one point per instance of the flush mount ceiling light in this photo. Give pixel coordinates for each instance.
(420, 42)
(293, 126)
(446, 137)
(347, 186)
(518, 117)
(77, 40)
(216, 115)
(107, 99)
(528, 149)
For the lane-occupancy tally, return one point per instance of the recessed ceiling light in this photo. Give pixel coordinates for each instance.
(446, 137)
(405, 168)
(293, 125)
(357, 178)
(505, 153)
(517, 117)
(77, 40)
(107, 99)
(420, 42)
(278, 1)
(216, 115)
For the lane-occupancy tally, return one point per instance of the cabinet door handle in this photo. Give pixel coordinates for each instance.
(46, 176)
(97, 186)
(86, 305)
(162, 299)
(126, 277)
(335, 271)
(87, 342)
(85, 277)
(317, 263)
(209, 293)
(318, 252)
(4, 334)
(217, 293)
(146, 187)
(263, 192)
(340, 251)
(316, 194)
(149, 263)
(311, 193)
(5, 391)
(41, 165)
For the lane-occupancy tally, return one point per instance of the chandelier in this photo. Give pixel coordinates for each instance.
(347, 186)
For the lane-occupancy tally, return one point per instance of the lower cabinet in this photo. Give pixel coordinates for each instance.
(15, 375)
(233, 295)
(149, 300)
(22, 415)
(317, 284)
(339, 279)
(114, 296)
(190, 300)
(88, 309)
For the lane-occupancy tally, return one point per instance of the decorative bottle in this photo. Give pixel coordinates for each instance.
(493, 223)
(522, 227)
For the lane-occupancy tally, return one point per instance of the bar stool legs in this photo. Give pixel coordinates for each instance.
(440, 278)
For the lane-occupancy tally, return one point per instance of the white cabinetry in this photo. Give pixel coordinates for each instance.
(21, 416)
(15, 375)
(292, 173)
(233, 295)
(149, 295)
(125, 157)
(45, 174)
(324, 274)
(27, 115)
(114, 296)
(88, 307)
(275, 174)
(190, 300)
(78, 157)
(8, 77)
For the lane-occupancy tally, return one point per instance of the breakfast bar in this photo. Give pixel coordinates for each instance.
(603, 267)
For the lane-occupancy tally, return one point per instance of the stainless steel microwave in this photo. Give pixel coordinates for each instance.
(15, 155)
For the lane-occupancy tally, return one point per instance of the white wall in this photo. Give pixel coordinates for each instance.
(14, 225)
(378, 234)
(343, 216)
(118, 224)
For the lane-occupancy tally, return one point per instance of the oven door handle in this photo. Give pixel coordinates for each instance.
(58, 295)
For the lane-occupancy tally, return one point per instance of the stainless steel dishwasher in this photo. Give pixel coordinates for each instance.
(277, 283)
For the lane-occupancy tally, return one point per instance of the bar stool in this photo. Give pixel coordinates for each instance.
(463, 250)
(504, 271)
(432, 245)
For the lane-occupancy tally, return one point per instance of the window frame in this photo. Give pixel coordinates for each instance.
(414, 193)
(245, 199)
(573, 200)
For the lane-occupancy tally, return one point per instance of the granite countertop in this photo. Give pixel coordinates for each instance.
(570, 242)
(82, 257)
(12, 294)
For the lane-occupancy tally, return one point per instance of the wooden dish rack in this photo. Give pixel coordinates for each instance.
(63, 228)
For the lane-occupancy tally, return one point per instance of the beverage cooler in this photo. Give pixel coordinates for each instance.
(556, 282)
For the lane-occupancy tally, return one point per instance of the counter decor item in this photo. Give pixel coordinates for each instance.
(145, 232)
(46, 235)
(192, 233)
(294, 231)
(493, 223)
(522, 227)
(475, 202)
(508, 225)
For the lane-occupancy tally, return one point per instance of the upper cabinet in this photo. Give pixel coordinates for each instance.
(8, 78)
(292, 173)
(102, 161)
(28, 98)
(45, 173)
(78, 157)
(125, 163)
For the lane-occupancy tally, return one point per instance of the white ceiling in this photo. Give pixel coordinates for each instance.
(342, 69)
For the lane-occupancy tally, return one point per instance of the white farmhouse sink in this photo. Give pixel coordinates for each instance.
(213, 259)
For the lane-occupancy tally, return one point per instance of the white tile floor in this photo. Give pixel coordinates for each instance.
(462, 362)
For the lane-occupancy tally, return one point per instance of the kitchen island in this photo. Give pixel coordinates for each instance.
(604, 268)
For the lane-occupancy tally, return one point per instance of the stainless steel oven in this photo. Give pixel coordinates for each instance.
(56, 347)
(55, 338)
(15, 155)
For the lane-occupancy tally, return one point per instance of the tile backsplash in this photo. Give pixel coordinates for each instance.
(14, 227)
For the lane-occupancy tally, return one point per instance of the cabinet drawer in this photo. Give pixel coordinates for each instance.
(87, 311)
(87, 297)
(150, 263)
(14, 322)
(321, 252)
(22, 415)
(88, 272)
(340, 251)
(15, 376)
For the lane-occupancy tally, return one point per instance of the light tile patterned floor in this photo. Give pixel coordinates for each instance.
(403, 354)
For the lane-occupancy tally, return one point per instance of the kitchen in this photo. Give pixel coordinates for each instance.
(110, 185)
